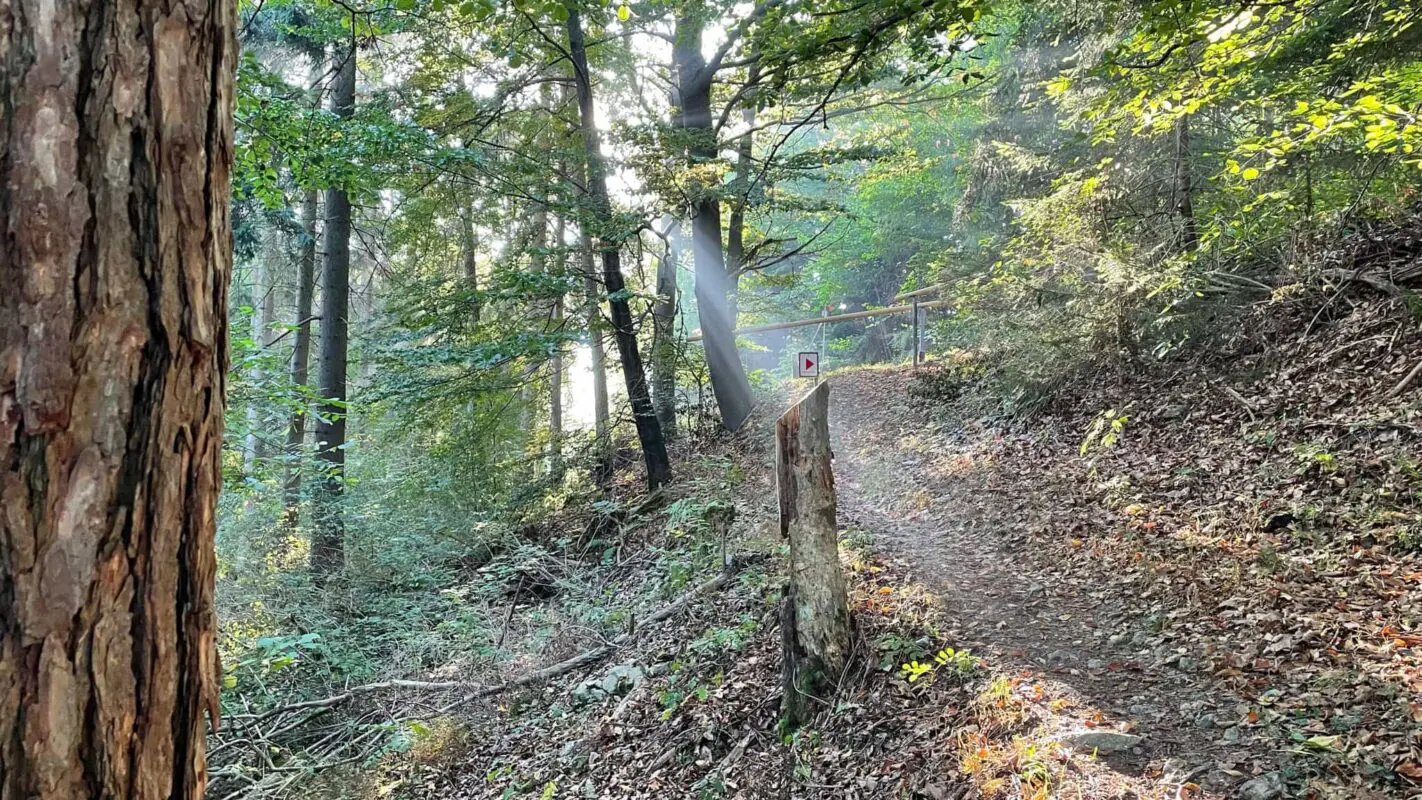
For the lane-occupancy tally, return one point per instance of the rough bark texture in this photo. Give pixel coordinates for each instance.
(328, 539)
(728, 375)
(664, 333)
(649, 433)
(805, 486)
(301, 351)
(115, 160)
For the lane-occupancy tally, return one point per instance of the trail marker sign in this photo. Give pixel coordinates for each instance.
(807, 364)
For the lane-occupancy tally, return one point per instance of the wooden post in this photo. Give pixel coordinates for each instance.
(819, 649)
(917, 342)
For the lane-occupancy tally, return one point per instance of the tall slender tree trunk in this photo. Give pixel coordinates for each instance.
(527, 394)
(470, 254)
(736, 225)
(115, 162)
(259, 297)
(1184, 187)
(649, 433)
(305, 300)
(664, 332)
(555, 364)
(301, 353)
(728, 375)
(328, 553)
(597, 354)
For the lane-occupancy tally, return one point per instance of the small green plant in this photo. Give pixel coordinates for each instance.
(1310, 455)
(1105, 430)
(959, 664)
(896, 649)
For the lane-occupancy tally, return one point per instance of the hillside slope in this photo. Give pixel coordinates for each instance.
(1223, 602)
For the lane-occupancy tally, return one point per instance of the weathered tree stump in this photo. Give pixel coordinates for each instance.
(818, 650)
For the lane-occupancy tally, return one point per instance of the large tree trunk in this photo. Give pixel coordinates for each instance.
(115, 160)
(328, 551)
(664, 333)
(301, 352)
(649, 433)
(728, 375)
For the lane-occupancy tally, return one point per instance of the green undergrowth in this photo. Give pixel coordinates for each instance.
(705, 722)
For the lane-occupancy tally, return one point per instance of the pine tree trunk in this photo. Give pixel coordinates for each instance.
(328, 539)
(664, 334)
(728, 375)
(116, 138)
(301, 352)
(649, 433)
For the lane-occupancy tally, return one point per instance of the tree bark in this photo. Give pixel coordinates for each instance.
(555, 363)
(257, 293)
(805, 485)
(736, 225)
(728, 375)
(470, 255)
(1184, 187)
(539, 258)
(597, 354)
(301, 353)
(115, 162)
(664, 333)
(328, 539)
(649, 433)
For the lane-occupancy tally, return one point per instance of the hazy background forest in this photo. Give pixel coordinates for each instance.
(449, 274)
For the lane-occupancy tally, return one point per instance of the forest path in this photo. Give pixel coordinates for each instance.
(940, 504)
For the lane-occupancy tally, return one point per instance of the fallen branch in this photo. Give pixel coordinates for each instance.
(481, 690)
(1406, 382)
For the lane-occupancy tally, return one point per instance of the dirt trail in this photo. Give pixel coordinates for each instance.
(938, 504)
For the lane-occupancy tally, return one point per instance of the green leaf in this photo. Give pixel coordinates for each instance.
(624, 13)
(1250, 174)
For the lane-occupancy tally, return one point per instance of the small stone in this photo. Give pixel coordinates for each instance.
(1058, 658)
(1096, 663)
(1105, 742)
(1269, 786)
(1205, 722)
(1118, 639)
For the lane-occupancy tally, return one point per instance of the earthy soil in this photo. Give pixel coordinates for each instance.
(1235, 578)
